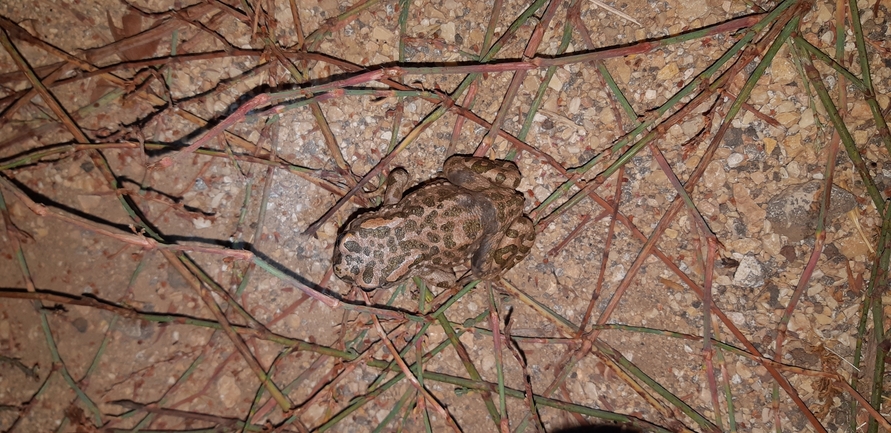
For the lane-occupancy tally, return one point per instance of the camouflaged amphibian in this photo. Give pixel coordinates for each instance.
(472, 217)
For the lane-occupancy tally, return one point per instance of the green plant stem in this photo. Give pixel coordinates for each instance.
(538, 99)
(495, 323)
(870, 93)
(58, 364)
(859, 164)
(702, 80)
(877, 283)
(823, 57)
(468, 365)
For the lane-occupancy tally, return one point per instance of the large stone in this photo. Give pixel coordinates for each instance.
(448, 32)
(794, 211)
(782, 70)
(749, 273)
(668, 72)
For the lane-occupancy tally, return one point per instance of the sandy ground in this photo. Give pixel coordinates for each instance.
(101, 328)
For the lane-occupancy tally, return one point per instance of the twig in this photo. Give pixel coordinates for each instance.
(408, 374)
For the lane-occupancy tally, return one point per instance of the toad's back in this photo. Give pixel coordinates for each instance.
(439, 224)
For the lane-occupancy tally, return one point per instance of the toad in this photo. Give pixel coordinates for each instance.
(473, 215)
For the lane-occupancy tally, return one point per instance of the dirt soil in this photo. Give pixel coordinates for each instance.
(173, 189)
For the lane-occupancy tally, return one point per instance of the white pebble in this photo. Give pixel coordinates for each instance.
(735, 159)
(201, 223)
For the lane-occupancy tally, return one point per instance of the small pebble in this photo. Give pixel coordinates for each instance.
(735, 159)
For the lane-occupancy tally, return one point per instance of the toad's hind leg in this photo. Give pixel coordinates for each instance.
(437, 277)
(510, 250)
(477, 174)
